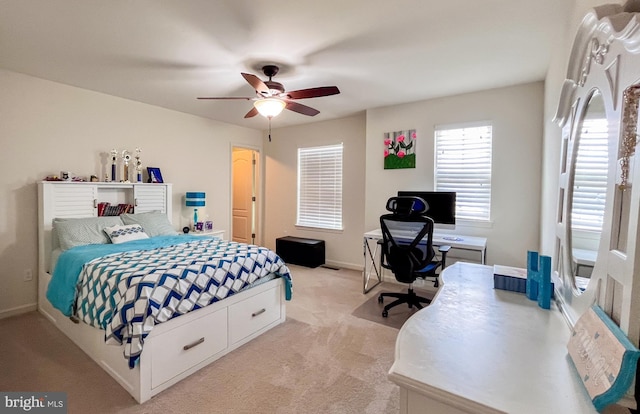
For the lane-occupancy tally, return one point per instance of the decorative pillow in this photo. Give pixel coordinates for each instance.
(72, 232)
(154, 223)
(121, 234)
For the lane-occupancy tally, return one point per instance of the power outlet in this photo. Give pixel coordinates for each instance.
(28, 275)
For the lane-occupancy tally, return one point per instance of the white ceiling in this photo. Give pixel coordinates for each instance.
(168, 52)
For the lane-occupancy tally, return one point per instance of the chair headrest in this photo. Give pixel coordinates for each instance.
(407, 206)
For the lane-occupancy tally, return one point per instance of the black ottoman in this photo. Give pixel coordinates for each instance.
(301, 251)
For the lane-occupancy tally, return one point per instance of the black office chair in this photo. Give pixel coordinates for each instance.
(407, 249)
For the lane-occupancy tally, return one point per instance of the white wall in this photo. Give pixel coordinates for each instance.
(343, 248)
(517, 119)
(46, 127)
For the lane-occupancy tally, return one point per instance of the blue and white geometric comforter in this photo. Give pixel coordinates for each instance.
(127, 293)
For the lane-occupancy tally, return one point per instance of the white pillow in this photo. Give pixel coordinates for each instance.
(121, 234)
(154, 223)
(73, 232)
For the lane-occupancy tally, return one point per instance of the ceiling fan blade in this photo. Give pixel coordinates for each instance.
(257, 84)
(253, 112)
(301, 109)
(313, 92)
(225, 97)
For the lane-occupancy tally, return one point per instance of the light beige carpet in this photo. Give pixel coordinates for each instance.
(371, 310)
(321, 360)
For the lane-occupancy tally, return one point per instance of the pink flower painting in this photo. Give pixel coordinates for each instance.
(400, 149)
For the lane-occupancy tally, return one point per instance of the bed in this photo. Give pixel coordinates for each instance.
(154, 308)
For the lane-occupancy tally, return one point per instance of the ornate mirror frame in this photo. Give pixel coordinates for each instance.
(605, 56)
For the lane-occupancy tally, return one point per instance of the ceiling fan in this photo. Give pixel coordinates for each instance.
(271, 97)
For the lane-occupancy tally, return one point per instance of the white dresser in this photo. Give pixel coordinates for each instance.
(476, 349)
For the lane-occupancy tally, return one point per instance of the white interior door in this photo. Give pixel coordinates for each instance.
(244, 195)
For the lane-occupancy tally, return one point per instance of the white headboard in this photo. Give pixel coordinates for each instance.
(63, 199)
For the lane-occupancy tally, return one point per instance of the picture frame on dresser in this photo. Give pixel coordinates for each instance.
(154, 174)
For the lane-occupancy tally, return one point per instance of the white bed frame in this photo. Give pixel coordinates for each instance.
(174, 349)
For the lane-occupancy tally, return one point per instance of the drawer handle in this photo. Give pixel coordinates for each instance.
(196, 343)
(261, 311)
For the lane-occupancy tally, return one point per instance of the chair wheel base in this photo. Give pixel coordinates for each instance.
(385, 314)
(380, 300)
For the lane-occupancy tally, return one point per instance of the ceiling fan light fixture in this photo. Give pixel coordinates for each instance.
(269, 107)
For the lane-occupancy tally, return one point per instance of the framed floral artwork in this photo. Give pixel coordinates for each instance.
(400, 149)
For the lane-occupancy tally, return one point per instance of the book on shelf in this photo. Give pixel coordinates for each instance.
(102, 207)
(108, 209)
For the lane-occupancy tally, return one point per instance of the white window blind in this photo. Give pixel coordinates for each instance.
(320, 187)
(463, 165)
(590, 176)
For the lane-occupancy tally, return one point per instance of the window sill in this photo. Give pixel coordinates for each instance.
(319, 229)
(481, 224)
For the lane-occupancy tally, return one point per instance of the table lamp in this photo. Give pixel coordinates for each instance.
(195, 199)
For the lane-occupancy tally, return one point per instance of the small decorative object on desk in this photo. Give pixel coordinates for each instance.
(114, 159)
(539, 285)
(208, 225)
(604, 357)
(510, 278)
(138, 166)
(199, 226)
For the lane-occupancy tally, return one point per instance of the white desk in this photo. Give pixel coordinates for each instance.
(476, 349)
(373, 270)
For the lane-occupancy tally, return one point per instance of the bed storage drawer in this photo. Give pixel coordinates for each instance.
(253, 314)
(188, 345)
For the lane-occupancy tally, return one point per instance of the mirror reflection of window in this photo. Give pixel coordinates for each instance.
(590, 182)
(589, 191)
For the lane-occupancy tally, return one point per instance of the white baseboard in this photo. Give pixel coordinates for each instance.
(344, 265)
(6, 313)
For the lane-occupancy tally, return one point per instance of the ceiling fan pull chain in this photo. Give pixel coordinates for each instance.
(269, 129)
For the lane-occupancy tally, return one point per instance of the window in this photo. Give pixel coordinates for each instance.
(463, 165)
(320, 187)
(590, 176)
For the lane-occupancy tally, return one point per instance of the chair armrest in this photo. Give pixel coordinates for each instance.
(444, 249)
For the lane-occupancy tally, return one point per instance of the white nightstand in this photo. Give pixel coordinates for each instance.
(214, 233)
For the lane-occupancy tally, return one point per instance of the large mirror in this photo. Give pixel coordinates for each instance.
(597, 227)
(588, 189)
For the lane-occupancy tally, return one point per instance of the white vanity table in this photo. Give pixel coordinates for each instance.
(477, 349)
(480, 350)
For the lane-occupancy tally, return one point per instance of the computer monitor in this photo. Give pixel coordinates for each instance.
(442, 204)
